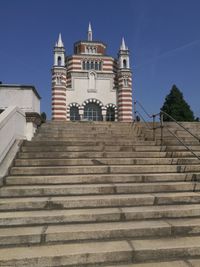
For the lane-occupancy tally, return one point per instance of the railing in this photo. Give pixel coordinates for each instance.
(161, 125)
(153, 117)
(164, 113)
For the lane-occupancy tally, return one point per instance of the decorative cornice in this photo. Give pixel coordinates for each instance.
(33, 117)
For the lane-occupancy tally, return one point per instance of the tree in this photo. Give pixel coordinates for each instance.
(176, 106)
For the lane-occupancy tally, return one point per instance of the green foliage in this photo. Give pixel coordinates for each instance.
(43, 117)
(176, 106)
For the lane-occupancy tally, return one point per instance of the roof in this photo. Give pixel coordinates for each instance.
(91, 42)
(90, 55)
(22, 87)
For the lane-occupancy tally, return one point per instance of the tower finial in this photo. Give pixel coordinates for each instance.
(60, 42)
(123, 46)
(89, 32)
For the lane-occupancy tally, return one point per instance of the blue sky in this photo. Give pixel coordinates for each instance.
(162, 35)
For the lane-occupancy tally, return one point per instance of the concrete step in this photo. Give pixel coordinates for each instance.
(67, 255)
(82, 124)
(97, 231)
(166, 248)
(160, 263)
(179, 134)
(103, 169)
(172, 137)
(93, 148)
(62, 148)
(186, 141)
(182, 148)
(115, 154)
(105, 161)
(107, 148)
(92, 155)
(69, 202)
(86, 143)
(80, 131)
(101, 178)
(98, 201)
(114, 130)
(81, 138)
(122, 188)
(73, 138)
(136, 251)
(194, 262)
(98, 147)
(90, 133)
(84, 232)
(47, 217)
(87, 125)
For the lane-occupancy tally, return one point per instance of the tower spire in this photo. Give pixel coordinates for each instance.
(123, 46)
(89, 32)
(60, 42)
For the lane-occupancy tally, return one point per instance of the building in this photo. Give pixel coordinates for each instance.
(90, 85)
(24, 97)
(21, 104)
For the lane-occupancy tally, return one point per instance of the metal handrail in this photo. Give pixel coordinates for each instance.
(189, 149)
(145, 122)
(166, 114)
(161, 114)
(148, 115)
(142, 107)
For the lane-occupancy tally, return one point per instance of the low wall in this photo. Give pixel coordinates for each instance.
(15, 126)
(12, 127)
(12, 130)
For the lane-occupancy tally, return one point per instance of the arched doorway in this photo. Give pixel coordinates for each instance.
(110, 114)
(74, 114)
(92, 112)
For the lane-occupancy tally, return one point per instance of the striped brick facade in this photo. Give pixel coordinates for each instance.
(124, 98)
(90, 76)
(59, 93)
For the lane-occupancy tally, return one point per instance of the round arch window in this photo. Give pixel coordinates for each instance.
(124, 64)
(74, 114)
(92, 112)
(110, 114)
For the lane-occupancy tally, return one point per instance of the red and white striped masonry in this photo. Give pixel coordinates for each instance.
(74, 63)
(125, 113)
(59, 93)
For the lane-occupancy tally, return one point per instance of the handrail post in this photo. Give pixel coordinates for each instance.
(135, 111)
(154, 127)
(161, 128)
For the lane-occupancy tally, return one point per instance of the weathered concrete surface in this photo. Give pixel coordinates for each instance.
(101, 194)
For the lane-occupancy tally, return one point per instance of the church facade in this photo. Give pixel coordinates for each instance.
(90, 85)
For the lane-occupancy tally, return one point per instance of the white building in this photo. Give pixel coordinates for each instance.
(90, 84)
(19, 119)
(24, 97)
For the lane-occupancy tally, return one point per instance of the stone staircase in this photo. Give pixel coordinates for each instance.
(102, 194)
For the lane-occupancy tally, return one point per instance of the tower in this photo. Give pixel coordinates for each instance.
(89, 32)
(59, 82)
(124, 96)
